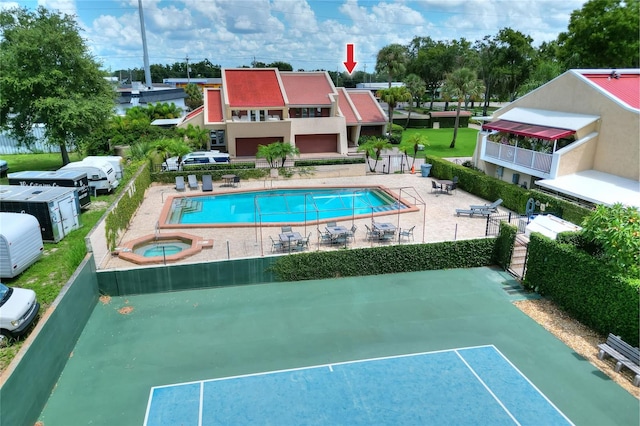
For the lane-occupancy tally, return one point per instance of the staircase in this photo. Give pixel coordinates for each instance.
(518, 265)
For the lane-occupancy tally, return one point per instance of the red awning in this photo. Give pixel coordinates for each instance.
(549, 133)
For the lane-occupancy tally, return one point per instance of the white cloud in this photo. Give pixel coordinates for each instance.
(65, 6)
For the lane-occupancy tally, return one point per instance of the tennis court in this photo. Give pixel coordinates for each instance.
(225, 341)
(457, 386)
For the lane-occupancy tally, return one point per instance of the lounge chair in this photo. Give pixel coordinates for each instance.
(193, 181)
(493, 207)
(179, 183)
(207, 183)
(484, 210)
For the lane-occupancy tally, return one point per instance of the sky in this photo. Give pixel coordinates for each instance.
(308, 34)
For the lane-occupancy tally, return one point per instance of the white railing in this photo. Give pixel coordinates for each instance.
(522, 157)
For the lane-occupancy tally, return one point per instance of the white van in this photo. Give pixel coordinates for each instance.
(194, 159)
(18, 309)
(101, 174)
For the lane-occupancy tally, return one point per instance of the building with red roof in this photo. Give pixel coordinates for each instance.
(577, 136)
(259, 106)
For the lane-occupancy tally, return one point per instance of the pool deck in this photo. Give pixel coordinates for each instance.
(438, 223)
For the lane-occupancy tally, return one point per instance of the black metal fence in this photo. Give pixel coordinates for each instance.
(493, 223)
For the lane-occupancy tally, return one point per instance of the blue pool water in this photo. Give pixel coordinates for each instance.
(161, 248)
(280, 206)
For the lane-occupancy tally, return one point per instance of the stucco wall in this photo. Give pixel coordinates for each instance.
(618, 146)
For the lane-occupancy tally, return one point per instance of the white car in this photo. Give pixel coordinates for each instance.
(18, 309)
(194, 158)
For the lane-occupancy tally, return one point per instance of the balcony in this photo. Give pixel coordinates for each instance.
(525, 158)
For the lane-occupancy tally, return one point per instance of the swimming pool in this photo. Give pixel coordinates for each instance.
(292, 205)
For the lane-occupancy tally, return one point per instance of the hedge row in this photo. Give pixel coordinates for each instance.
(330, 161)
(584, 287)
(385, 260)
(119, 217)
(514, 196)
(504, 245)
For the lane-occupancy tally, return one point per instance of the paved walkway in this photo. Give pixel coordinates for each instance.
(435, 221)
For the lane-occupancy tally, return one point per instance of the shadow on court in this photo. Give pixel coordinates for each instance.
(191, 336)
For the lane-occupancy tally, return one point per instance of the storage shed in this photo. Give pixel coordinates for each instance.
(20, 243)
(56, 208)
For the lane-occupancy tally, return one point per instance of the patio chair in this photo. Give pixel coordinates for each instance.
(276, 245)
(452, 187)
(285, 229)
(236, 181)
(193, 181)
(351, 234)
(407, 233)
(372, 234)
(179, 183)
(324, 237)
(303, 243)
(435, 186)
(207, 183)
(455, 179)
(332, 224)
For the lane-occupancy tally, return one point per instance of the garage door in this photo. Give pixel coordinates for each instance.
(247, 147)
(317, 143)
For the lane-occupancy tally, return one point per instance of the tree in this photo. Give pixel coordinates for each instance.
(196, 136)
(195, 97)
(544, 71)
(416, 86)
(603, 34)
(282, 66)
(463, 85)
(373, 147)
(48, 76)
(514, 57)
(392, 97)
(616, 230)
(275, 152)
(411, 145)
(392, 61)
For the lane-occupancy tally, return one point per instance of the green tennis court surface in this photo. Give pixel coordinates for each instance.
(458, 387)
(191, 336)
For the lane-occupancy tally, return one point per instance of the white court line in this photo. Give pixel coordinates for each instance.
(201, 404)
(487, 388)
(320, 366)
(146, 415)
(534, 386)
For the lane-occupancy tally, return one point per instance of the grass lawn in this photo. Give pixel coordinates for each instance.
(438, 141)
(21, 162)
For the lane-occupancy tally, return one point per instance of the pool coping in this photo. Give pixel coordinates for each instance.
(166, 208)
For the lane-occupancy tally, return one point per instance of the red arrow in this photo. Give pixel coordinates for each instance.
(350, 64)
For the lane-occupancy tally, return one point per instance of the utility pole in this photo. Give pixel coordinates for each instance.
(188, 76)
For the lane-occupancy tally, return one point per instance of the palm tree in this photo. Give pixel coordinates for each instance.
(411, 146)
(374, 147)
(196, 136)
(391, 60)
(416, 86)
(462, 84)
(276, 151)
(392, 97)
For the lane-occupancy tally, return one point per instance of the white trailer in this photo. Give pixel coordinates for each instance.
(114, 160)
(20, 243)
(101, 174)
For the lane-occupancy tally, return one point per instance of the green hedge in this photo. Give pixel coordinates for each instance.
(504, 245)
(514, 197)
(330, 161)
(385, 260)
(584, 287)
(119, 217)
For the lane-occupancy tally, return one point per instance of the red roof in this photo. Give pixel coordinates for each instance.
(549, 133)
(367, 107)
(193, 113)
(345, 107)
(253, 88)
(306, 88)
(214, 106)
(626, 87)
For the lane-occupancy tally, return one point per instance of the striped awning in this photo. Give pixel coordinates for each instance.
(542, 132)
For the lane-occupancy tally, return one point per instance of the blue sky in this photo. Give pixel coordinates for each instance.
(308, 34)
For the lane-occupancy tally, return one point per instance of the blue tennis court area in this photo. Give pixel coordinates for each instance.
(465, 386)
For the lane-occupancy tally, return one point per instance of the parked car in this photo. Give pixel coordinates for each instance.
(195, 158)
(18, 309)
(4, 168)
